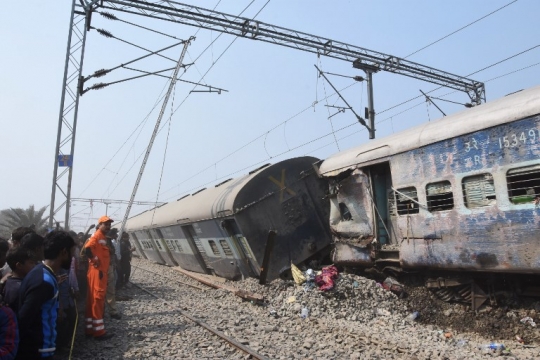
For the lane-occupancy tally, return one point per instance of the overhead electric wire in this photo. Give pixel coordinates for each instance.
(107, 34)
(223, 52)
(475, 72)
(145, 119)
(164, 155)
(198, 83)
(461, 28)
(254, 140)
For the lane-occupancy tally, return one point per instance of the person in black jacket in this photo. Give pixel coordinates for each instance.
(21, 262)
(38, 298)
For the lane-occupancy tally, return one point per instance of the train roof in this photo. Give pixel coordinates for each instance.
(214, 202)
(512, 107)
(204, 204)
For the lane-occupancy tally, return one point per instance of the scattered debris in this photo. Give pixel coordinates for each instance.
(325, 281)
(528, 320)
(298, 277)
(393, 285)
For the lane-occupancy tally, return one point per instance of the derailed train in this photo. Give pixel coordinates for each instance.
(255, 225)
(460, 193)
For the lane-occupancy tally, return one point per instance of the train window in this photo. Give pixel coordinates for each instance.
(439, 196)
(170, 245)
(523, 184)
(214, 247)
(145, 244)
(406, 201)
(179, 246)
(226, 248)
(158, 244)
(479, 191)
(345, 213)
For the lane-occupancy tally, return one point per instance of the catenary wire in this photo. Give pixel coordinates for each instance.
(254, 140)
(461, 28)
(475, 72)
(158, 101)
(198, 83)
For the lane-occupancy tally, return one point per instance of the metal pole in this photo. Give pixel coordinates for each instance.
(75, 115)
(371, 109)
(154, 134)
(59, 134)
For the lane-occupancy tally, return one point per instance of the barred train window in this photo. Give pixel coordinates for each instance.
(179, 246)
(523, 184)
(158, 244)
(479, 191)
(214, 247)
(225, 247)
(439, 196)
(406, 201)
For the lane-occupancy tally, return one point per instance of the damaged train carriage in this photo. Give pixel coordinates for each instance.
(224, 230)
(460, 193)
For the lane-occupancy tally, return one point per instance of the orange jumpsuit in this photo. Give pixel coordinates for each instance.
(97, 283)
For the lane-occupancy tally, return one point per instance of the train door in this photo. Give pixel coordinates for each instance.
(242, 247)
(164, 248)
(193, 239)
(381, 184)
(137, 245)
(148, 246)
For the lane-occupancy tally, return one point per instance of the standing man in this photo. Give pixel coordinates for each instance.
(38, 298)
(112, 236)
(99, 257)
(125, 262)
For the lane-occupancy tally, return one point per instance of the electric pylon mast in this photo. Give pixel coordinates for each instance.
(367, 60)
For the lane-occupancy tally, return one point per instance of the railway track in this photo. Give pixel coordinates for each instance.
(171, 316)
(214, 331)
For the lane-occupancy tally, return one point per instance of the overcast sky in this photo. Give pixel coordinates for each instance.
(267, 84)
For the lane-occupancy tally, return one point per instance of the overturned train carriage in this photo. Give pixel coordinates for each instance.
(224, 230)
(459, 193)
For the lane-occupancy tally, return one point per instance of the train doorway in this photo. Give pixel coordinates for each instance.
(197, 248)
(242, 247)
(381, 181)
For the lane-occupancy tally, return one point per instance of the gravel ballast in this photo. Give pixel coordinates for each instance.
(358, 319)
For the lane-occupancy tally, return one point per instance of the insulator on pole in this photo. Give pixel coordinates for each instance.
(101, 72)
(98, 86)
(105, 33)
(108, 16)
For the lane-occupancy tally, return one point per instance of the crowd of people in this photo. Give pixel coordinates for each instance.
(42, 278)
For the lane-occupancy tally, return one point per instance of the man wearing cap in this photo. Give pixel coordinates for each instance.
(98, 255)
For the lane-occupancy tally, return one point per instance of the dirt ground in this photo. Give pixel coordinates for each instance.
(497, 321)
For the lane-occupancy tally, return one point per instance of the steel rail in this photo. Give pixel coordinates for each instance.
(168, 278)
(216, 332)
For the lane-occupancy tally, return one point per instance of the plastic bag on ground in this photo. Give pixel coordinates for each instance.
(298, 277)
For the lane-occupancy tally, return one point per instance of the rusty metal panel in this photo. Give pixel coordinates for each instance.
(288, 198)
(345, 253)
(354, 192)
(485, 231)
(510, 108)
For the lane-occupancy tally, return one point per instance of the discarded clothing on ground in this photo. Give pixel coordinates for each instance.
(325, 281)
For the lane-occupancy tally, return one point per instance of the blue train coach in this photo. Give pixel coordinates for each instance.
(460, 193)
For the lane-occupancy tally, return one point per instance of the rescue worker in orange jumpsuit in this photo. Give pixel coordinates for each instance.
(98, 255)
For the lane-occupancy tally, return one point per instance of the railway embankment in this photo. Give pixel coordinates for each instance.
(358, 319)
